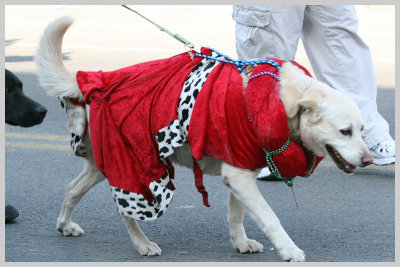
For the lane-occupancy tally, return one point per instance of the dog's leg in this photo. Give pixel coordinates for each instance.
(238, 235)
(143, 245)
(88, 178)
(242, 184)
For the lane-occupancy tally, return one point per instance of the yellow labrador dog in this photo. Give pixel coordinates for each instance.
(322, 119)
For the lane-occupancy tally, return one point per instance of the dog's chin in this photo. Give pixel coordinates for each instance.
(340, 162)
(26, 123)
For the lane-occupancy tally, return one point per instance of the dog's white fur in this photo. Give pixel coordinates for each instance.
(316, 115)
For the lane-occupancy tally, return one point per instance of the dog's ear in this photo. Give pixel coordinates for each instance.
(310, 102)
(302, 104)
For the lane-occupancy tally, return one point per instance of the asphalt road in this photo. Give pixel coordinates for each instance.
(341, 218)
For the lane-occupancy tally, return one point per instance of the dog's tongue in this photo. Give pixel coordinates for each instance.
(346, 167)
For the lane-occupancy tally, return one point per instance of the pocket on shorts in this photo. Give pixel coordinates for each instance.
(251, 17)
(249, 24)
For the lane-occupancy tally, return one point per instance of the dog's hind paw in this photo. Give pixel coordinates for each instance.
(149, 249)
(248, 246)
(70, 229)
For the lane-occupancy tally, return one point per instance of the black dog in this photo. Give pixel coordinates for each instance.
(20, 111)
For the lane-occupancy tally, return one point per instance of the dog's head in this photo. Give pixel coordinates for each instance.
(329, 123)
(20, 110)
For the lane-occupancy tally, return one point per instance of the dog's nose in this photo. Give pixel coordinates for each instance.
(41, 111)
(367, 160)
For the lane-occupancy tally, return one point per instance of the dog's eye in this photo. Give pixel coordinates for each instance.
(346, 132)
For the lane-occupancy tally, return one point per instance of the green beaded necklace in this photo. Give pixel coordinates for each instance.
(272, 166)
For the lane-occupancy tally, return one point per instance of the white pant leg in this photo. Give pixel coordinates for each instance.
(267, 31)
(342, 59)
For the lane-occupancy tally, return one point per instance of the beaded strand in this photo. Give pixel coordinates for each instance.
(241, 64)
(264, 73)
(273, 167)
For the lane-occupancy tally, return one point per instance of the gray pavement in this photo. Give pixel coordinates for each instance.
(341, 218)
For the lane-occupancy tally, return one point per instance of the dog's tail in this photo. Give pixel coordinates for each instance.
(52, 74)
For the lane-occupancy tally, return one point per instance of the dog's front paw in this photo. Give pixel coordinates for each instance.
(149, 249)
(247, 245)
(292, 253)
(70, 229)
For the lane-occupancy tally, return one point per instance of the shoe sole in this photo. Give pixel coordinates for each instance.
(383, 162)
(11, 213)
(270, 177)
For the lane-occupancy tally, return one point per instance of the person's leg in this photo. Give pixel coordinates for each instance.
(342, 59)
(267, 31)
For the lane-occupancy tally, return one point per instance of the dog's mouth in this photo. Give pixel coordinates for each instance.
(340, 162)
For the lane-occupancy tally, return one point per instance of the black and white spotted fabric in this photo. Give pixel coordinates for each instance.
(77, 124)
(175, 134)
(136, 206)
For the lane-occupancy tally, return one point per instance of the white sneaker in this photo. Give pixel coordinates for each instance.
(383, 153)
(264, 173)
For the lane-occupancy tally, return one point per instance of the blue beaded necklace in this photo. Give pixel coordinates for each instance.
(241, 64)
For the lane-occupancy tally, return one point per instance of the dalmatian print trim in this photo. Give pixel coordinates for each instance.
(170, 137)
(136, 206)
(175, 134)
(77, 121)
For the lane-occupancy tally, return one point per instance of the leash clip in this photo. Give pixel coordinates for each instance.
(189, 47)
